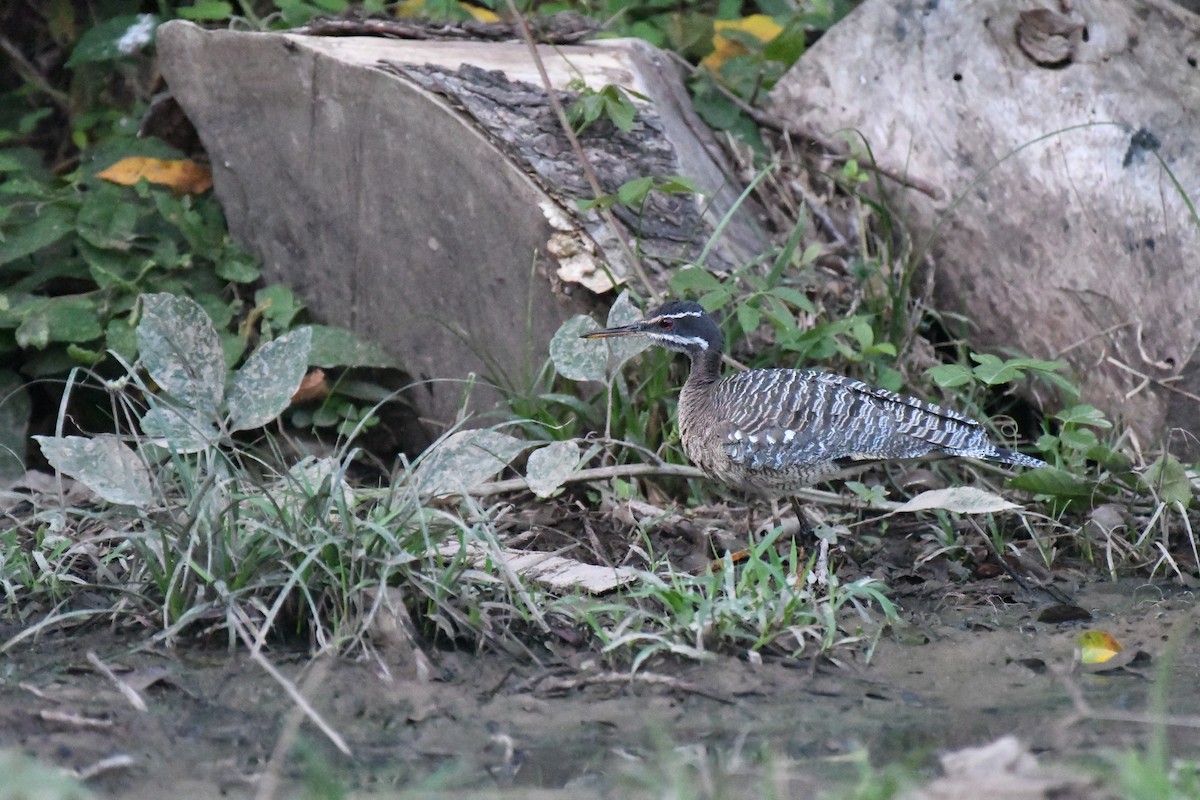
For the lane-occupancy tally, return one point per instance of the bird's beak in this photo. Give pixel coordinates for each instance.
(624, 330)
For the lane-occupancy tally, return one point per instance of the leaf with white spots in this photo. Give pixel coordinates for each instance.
(550, 466)
(180, 429)
(264, 386)
(960, 500)
(104, 464)
(624, 312)
(465, 459)
(576, 358)
(181, 350)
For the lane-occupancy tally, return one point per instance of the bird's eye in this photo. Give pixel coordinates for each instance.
(666, 324)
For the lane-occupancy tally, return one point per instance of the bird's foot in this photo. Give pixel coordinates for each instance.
(819, 575)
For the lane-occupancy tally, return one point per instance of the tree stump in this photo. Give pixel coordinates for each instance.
(1053, 146)
(423, 193)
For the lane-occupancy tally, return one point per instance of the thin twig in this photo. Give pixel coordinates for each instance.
(127, 691)
(299, 699)
(269, 782)
(673, 471)
(1084, 709)
(1150, 379)
(584, 164)
(29, 72)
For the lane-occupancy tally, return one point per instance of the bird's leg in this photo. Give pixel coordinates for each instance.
(805, 528)
(820, 570)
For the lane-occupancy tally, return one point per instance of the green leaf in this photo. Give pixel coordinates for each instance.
(206, 11)
(550, 466)
(279, 304)
(633, 193)
(238, 267)
(949, 376)
(575, 358)
(338, 347)
(1054, 482)
(1169, 480)
(70, 318)
(104, 464)
(464, 459)
(678, 184)
(618, 107)
(50, 224)
(107, 219)
(694, 280)
(114, 38)
(263, 387)
(121, 338)
(182, 352)
(789, 45)
(748, 318)
(1083, 414)
(793, 297)
(1078, 438)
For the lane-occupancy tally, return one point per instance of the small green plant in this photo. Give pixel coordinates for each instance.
(610, 102)
(633, 194)
(197, 525)
(765, 601)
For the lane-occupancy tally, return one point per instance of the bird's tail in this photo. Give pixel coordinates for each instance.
(1006, 456)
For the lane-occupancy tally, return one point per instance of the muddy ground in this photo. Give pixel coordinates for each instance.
(965, 670)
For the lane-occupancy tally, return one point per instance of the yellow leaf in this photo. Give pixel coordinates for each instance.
(182, 175)
(480, 13)
(1097, 647)
(416, 8)
(760, 26)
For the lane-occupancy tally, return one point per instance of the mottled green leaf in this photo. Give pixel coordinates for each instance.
(181, 350)
(104, 464)
(549, 466)
(624, 312)
(264, 386)
(464, 459)
(180, 429)
(575, 358)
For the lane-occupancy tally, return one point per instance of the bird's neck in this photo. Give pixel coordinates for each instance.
(696, 404)
(706, 368)
(697, 391)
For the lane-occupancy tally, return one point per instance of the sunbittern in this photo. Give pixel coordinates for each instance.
(774, 431)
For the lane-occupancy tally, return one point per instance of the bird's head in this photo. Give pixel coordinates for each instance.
(679, 325)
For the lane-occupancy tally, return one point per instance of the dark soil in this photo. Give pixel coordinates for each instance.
(966, 669)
